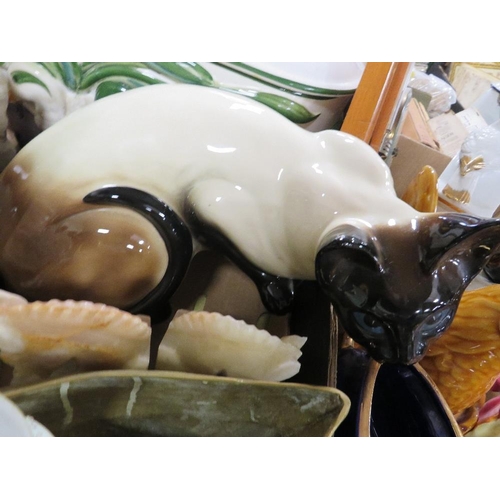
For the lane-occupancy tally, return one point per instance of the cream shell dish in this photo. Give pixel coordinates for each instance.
(40, 340)
(213, 344)
(46, 340)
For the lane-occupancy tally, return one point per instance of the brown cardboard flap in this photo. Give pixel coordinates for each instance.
(219, 286)
(411, 157)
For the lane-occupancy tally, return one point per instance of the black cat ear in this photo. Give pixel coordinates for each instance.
(350, 247)
(492, 268)
(461, 240)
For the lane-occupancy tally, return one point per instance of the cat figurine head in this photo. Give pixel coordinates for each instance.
(397, 287)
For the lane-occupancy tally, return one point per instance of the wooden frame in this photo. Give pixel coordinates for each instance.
(375, 103)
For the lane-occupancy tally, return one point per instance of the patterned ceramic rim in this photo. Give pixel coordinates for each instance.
(106, 78)
(285, 85)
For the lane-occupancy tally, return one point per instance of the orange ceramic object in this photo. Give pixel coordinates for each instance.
(465, 362)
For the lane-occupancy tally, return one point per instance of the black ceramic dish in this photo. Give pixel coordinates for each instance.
(391, 400)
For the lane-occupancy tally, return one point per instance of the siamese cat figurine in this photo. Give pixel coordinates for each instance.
(111, 203)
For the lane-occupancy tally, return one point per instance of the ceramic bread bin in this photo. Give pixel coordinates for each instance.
(111, 203)
(35, 95)
(312, 95)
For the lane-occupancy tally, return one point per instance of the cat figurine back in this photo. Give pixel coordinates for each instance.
(111, 203)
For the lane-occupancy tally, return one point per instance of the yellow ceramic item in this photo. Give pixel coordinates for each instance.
(465, 361)
(422, 192)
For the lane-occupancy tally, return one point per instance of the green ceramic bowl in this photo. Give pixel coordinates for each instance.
(159, 403)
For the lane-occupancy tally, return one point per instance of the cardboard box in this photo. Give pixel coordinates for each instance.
(416, 126)
(411, 157)
(212, 280)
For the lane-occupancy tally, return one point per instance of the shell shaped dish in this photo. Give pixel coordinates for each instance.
(39, 338)
(210, 343)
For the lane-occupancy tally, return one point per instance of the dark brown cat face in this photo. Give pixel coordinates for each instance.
(396, 288)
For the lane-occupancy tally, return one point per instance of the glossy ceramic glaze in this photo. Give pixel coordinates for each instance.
(159, 403)
(312, 94)
(242, 168)
(391, 400)
(7, 147)
(465, 361)
(107, 204)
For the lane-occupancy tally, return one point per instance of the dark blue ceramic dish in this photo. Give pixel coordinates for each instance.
(391, 400)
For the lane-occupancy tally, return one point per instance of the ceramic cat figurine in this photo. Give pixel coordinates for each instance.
(110, 204)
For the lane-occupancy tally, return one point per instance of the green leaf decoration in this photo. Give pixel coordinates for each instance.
(110, 87)
(285, 84)
(52, 68)
(25, 77)
(92, 66)
(113, 77)
(70, 73)
(185, 72)
(101, 72)
(291, 109)
(84, 66)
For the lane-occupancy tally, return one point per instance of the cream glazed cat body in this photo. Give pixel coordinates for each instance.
(110, 203)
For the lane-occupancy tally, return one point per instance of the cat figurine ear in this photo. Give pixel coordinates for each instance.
(396, 287)
(459, 238)
(492, 268)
